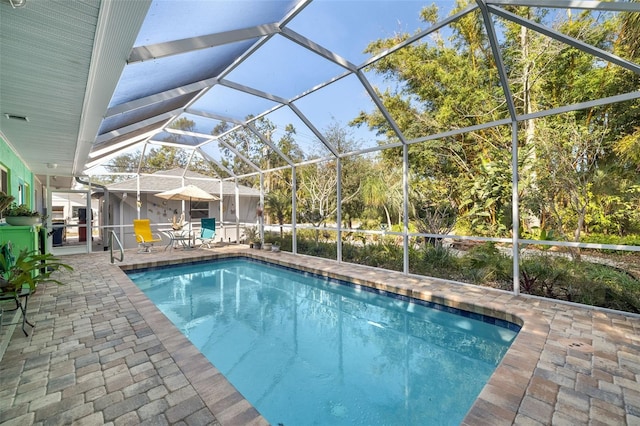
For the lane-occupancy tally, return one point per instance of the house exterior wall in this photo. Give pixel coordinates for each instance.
(161, 212)
(17, 173)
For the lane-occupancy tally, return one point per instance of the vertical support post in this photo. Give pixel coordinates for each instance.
(405, 202)
(339, 210)
(261, 217)
(121, 216)
(49, 240)
(138, 202)
(515, 208)
(221, 215)
(88, 220)
(294, 219)
(237, 208)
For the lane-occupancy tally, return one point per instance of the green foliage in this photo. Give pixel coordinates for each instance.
(434, 209)
(489, 197)
(580, 282)
(5, 201)
(386, 254)
(485, 263)
(284, 242)
(312, 247)
(540, 275)
(278, 206)
(252, 234)
(436, 261)
(20, 210)
(551, 276)
(608, 287)
(631, 240)
(28, 270)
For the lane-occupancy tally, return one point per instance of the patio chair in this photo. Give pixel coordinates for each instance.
(207, 231)
(144, 236)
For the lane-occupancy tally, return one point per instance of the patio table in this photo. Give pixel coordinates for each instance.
(178, 237)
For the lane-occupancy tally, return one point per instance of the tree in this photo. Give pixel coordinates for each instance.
(573, 149)
(382, 190)
(435, 212)
(448, 83)
(317, 189)
(317, 193)
(278, 205)
(162, 158)
(248, 146)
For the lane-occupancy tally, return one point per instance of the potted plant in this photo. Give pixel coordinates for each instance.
(20, 277)
(21, 215)
(5, 201)
(257, 243)
(253, 236)
(27, 271)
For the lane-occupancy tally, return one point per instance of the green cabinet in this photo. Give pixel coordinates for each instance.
(21, 237)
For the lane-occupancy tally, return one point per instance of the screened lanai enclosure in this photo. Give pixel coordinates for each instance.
(486, 142)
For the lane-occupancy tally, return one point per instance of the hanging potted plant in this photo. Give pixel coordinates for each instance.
(21, 215)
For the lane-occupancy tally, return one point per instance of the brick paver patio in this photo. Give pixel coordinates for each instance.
(101, 353)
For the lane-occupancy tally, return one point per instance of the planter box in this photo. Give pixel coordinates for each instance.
(23, 220)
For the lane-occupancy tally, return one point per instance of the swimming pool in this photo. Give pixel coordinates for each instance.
(307, 350)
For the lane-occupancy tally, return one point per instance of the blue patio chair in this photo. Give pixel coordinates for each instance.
(207, 231)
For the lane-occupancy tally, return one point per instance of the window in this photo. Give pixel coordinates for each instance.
(199, 209)
(23, 194)
(20, 198)
(4, 180)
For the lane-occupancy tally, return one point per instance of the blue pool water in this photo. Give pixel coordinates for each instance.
(306, 350)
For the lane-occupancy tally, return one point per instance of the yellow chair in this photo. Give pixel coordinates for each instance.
(144, 236)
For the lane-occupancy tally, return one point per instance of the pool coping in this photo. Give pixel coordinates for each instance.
(498, 402)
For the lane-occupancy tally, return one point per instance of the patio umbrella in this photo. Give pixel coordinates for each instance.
(187, 193)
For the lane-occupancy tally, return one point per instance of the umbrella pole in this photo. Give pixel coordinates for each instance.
(194, 237)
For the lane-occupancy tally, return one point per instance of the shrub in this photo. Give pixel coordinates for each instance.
(540, 275)
(548, 275)
(631, 240)
(433, 261)
(485, 263)
(386, 254)
(320, 249)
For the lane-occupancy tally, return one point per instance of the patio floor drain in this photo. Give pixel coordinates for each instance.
(578, 346)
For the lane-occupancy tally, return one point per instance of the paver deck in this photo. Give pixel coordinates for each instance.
(102, 353)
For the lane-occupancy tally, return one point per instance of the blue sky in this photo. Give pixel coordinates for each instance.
(280, 67)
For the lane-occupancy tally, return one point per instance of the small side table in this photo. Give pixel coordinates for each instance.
(178, 237)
